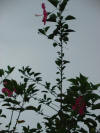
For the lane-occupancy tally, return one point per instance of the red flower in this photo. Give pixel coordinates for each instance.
(8, 92)
(79, 105)
(43, 6)
(74, 107)
(44, 13)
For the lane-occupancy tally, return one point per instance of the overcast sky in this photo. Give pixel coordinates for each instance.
(20, 44)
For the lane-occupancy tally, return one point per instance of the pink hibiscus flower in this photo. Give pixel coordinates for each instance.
(79, 105)
(8, 92)
(44, 13)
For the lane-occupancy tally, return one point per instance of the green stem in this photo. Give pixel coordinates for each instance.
(14, 128)
(61, 73)
(10, 120)
(54, 94)
(46, 104)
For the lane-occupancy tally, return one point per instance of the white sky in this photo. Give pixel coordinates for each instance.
(21, 45)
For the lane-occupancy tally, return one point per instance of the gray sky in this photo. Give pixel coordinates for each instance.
(21, 45)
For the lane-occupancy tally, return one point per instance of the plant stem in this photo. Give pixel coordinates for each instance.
(10, 120)
(46, 104)
(14, 128)
(54, 94)
(61, 57)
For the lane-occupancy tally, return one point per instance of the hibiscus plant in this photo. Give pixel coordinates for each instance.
(70, 106)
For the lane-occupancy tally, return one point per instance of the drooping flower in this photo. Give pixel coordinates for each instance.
(79, 105)
(44, 13)
(43, 6)
(44, 19)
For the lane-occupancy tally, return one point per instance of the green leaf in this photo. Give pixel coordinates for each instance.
(82, 130)
(51, 36)
(38, 79)
(0, 111)
(54, 2)
(89, 120)
(55, 44)
(96, 106)
(52, 18)
(58, 62)
(70, 30)
(39, 126)
(65, 61)
(39, 107)
(10, 69)
(4, 116)
(42, 31)
(31, 108)
(36, 74)
(46, 28)
(45, 96)
(63, 5)
(65, 38)
(12, 101)
(1, 72)
(1, 96)
(12, 108)
(98, 118)
(6, 104)
(70, 17)
(73, 81)
(65, 26)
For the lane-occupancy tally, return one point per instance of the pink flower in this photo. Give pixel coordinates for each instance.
(74, 107)
(44, 13)
(79, 105)
(81, 111)
(4, 90)
(43, 6)
(8, 92)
